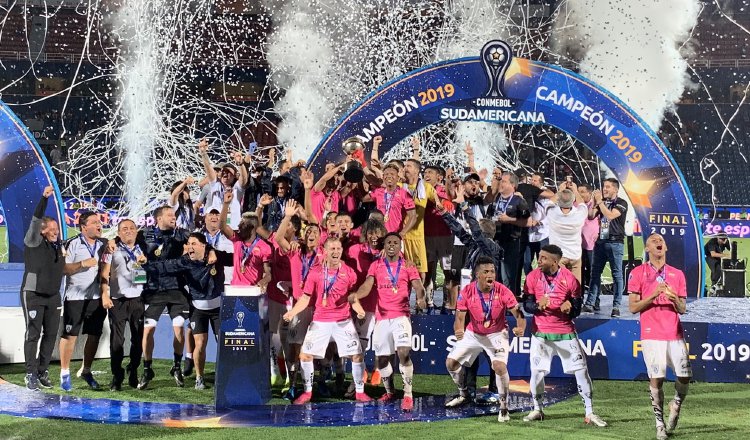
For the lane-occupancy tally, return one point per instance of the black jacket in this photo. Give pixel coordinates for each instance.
(171, 242)
(43, 261)
(202, 284)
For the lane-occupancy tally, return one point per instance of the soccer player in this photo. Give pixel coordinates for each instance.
(230, 180)
(553, 295)
(328, 286)
(394, 202)
(421, 193)
(657, 291)
(392, 278)
(162, 242)
(122, 279)
(40, 292)
(82, 307)
(485, 302)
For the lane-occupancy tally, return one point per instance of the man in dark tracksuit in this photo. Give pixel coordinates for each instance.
(205, 282)
(40, 292)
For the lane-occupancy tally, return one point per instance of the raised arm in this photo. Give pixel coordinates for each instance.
(240, 161)
(321, 184)
(308, 178)
(33, 237)
(225, 228)
(416, 145)
(175, 196)
(207, 166)
(289, 210)
(374, 155)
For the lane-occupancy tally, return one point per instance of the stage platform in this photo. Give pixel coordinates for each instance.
(717, 331)
(20, 402)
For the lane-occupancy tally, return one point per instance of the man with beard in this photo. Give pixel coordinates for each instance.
(328, 287)
(164, 241)
(392, 278)
(40, 293)
(122, 279)
(273, 211)
(553, 296)
(82, 307)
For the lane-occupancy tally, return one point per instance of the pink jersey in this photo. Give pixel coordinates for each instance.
(393, 205)
(434, 226)
(350, 202)
(660, 321)
(319, 200)
(502, 300)
(562, 287)
(359, 257)
(249, 260)
(590, 231)
(302, 267)
(392, 304)
(336, 307)
(281, 271)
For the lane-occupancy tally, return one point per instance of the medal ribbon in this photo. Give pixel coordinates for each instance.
(502, 205)
(661, 274)
(131, 253)
(394, 278)
(486, 308)
(248, 251)
(213, 241)
(92, 250)
(388, 201)
(307, 264)
(328, 282)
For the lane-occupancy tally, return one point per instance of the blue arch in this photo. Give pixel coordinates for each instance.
(24, 173)
(538, 93)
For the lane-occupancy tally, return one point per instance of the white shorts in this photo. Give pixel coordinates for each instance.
(298, 326)
(320, 334)
(570, 353)
(275, 312)
(365, 328)
(659, 354)
(496, 345)
(391, 334)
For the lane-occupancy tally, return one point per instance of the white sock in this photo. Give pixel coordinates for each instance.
(188, 355)
(657, 404)
(308, 371)
(385, 376)
(458, 379)
(358, 371)
(680, 391)
(407, 374)
(537, 388)
(585, 389)
(503, 385)
(64, 371)
(275, 350)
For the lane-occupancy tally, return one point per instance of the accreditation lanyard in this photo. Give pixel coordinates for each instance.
(394, 278)
(131, 253)
(501, 206)
(91, 249)
(213, 241)
(328, 282)
(486, 306)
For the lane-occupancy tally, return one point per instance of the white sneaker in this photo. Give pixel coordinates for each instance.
(661, 433)
(456, 402)
(593, 419)
(535, 415)
(503, 416)
(674, 416)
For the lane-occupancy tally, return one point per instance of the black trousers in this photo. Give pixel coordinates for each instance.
(128, 310)
(715, 267)
(470, 376)
(512, 264)
(42, 315)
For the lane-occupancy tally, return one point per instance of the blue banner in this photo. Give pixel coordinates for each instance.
(496, 87)
(731, 220)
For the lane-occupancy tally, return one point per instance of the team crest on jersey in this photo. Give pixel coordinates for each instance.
(68, 328)
(192, 325)
(32, 314)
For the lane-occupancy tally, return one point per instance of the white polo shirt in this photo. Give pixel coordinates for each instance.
(85, 284)
(565, 229)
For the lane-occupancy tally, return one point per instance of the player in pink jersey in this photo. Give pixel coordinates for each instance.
(303, 256)
(252, 255)
(329, 286)
(658, 292)
(394, 202)
(553, 295)
(391, 278)
(324, 197)
(485, 301)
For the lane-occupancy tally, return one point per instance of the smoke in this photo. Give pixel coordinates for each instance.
(635, 49)
(141, 78)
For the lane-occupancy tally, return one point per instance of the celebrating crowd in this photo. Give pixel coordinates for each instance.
(339, 258)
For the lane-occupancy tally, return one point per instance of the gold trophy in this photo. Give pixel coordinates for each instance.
(354, 146)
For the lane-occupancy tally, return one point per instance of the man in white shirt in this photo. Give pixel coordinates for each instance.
(230, 178)
(565, 220)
